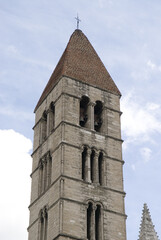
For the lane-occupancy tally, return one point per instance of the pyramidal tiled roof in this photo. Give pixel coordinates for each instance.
(81, 62)
(147, 231)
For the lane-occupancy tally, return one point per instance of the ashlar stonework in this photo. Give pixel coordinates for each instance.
(147, 231)
(77, 179)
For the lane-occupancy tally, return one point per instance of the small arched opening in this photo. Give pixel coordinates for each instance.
(98, 222)
(89, 221)
(100, 168)
(44, 126)
(92, 165)
(84, 160)
(52, 116)
(83, 118)
(98, 115)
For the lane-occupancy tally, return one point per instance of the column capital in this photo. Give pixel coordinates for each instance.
(45, 212)
(42, 119)
(45, 159)
(103, 152)
(41, 164)
(94, 207)
(89, 151)
(92, 104)
(97, 152)
(82, 147)
(49, 110)
(48, 156)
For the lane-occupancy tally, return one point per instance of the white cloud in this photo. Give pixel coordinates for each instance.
(153, 106)
(139, 121)
(15, 184)
(153, 66)
(146, 154)
(148, 67)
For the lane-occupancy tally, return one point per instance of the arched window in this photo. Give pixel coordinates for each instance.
(92, 164)
(49, 168)
(98, 115)
(51, 117)
(100, 168)
(43, 222)
(98, 223)
(89, 221)
(83, 111)
(94, 222)
(84, 164)
(45, 167)
(44, 126)
(41, 166)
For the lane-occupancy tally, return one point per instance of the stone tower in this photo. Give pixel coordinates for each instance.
(77, 179)
(147, 231)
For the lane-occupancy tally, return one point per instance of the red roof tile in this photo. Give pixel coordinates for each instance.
(81, 62)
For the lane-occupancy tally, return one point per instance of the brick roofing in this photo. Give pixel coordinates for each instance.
(81, 62)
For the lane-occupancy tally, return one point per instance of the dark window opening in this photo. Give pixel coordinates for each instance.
(43, 224)
(92, 165)
(46, 224)
(83, 111)
(49, 169)
(89, 221)
(52, 118)
(98, 223)
(84, 156)
(100, 168)
(44, 125)
(98, 115)
(40, 176)
(45, 168)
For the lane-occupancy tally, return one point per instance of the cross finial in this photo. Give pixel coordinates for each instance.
(78, 20)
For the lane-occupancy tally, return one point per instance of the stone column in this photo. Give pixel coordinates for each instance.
(40, 227)
(90, 123)
(50, 121)
(93, 233)
(96, 168)
(43, 176)
(40, 177)
(45, 173)
(101, 224)
(62, 159)
(45, 217)
(88, 166)
(61, 216)
(48, 162)
(104, 127)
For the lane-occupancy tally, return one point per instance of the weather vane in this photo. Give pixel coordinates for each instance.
(78, 20)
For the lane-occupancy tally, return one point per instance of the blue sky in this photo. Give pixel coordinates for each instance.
(126, 35)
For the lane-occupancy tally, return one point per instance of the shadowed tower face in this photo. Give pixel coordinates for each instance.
(147, 231)
(77, 181)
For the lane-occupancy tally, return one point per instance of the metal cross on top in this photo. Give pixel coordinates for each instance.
(78, 20)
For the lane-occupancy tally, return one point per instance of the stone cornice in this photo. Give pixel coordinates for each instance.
(78, 180)
(64, 76)
(77, 126)
(77, 202)
(78, 147)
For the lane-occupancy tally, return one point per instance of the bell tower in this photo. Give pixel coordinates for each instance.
(77, 179)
